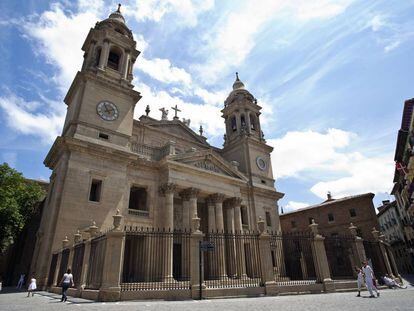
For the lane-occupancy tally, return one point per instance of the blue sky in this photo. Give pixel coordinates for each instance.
(331, 77)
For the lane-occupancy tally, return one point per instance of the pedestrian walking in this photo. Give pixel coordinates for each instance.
(67, 281)
(369, 280)
(360, 279)
(32, 287)
(20, 283)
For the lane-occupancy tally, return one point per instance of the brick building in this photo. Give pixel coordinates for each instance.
(334, 216)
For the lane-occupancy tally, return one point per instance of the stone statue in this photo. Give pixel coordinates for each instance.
(164, 112)
(186, 121)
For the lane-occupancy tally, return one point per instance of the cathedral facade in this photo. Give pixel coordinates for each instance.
(157, 173)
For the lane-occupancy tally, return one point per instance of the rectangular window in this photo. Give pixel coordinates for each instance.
(293, 223)
(331, 217)
(245, 219)
(310, 220)
(95, 191)
(103, 136)
(352, 212)
(138, 198)
(268, 219)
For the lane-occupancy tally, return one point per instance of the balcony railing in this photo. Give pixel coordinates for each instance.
(153, 153)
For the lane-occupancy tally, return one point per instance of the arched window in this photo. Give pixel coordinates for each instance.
(242, 120)
(233, 123)
(114, 59)
(252, 122)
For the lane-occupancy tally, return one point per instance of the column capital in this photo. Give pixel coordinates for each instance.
(233, 202)
(167, 188)
(189, 193)
(216, 197)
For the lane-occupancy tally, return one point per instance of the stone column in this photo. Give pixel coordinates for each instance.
(218, 199)
(231, 238)
(267, 275)
(57, 276)
(357, 247)
(196, 238)
(320, 259)
(81, 284)
(125, 64)
(248, 121)
(189, 197)
(103, 60)
(379, 238)
(241, 260)
(114, 256)
(211, 216)
(167, 190)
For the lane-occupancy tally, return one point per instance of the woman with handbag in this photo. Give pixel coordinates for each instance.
(67, 281)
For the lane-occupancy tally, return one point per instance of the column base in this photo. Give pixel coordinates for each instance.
(110, 294)
(195, 291)
(271, 288)
(328, 286)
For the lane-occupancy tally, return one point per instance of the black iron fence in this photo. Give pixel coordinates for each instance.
(63, 263)
(156, 259)
(234, 261)
(339, 252)
(96, 262)
(77, 262)
(52, 269)
(375, 258)
(292, 257)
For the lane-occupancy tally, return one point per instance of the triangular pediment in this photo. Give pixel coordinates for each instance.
(208, 160)
(177, 128)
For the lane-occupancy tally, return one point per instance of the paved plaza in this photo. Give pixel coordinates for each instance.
(400, 299)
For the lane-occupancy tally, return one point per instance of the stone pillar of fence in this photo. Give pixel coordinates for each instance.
(358, 249)
(195, 240)
(379, 238)
(320, 259)
(56, 276)
(265, 257)
(81, 284)
(114, 253)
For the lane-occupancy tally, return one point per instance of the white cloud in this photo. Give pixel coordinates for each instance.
(232, 39)
(58, 36)
(162, 70)
(185, 11)
(376, 23)
(293, 205)
(316, 155)
(22, 117)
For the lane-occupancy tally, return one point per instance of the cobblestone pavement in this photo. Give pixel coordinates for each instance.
(400, 299)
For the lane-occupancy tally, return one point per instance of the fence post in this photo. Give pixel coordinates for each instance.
(379, 238)
(265, 255)
(56, 276)
(320, 259)
(358, 246)
(195, 240)
(114, 254)
(84, 274)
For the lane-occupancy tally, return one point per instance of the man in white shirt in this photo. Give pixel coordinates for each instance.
(369, 276)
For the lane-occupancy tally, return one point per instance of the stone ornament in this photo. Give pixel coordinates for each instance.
(167, 188)
(93, 229)
(314, 228)
(196, 223)
(233, 202)
(189, 193)
(261, 224)
(65, 242)
(217, 197)
(117, 220)
(77, 237)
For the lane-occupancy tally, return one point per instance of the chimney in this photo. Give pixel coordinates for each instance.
(329, 195)
(385, 202)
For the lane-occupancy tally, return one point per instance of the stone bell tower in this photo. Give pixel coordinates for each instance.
(101, 99)
(244, 140)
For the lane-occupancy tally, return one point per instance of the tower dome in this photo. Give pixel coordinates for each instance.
(238, 85)
(117, 15)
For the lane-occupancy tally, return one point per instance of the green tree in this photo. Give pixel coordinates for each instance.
(18, 198)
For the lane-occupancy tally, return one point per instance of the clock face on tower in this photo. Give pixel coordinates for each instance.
(107, 110)
(261, 163)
